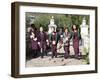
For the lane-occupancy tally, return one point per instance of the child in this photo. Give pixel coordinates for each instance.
(54, 43)
(42, 41)
(76, 37)
(60, 45)
(34, 44)
(66, 43)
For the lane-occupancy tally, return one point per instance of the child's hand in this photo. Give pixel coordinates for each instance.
(35, 39)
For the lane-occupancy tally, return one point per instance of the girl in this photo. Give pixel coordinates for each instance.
(66, 43)
(54, 43)
(76, 37)
(60, 45)
(34, 44)
(42, 42)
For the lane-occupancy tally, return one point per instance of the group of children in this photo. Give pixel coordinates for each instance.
(40, 41)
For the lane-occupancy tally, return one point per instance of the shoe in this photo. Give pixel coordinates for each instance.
(66, 57)
(42, 57)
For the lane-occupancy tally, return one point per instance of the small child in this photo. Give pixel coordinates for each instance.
(34, 44)
(60, 45)
(66, 43)
(54, 43)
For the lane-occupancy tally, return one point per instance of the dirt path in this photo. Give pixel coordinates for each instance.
(48, 61)
(60, 61)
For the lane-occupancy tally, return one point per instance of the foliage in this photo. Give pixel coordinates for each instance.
(86, 58)
(61, 20)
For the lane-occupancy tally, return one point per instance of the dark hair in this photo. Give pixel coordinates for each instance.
(35, 29)
(76, 27)
(33, 26)
(67, 29)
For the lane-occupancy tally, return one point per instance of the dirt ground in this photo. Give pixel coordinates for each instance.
(59, 61)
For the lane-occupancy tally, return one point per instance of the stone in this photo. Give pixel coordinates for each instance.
(84, 36)
(52, 24)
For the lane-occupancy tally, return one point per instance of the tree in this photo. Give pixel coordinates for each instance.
(61, 20)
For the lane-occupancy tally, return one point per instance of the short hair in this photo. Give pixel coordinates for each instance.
(33, 25)
(67, 29)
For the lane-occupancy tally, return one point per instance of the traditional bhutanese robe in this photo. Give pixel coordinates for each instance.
(76, 38)
(67, 37)
(54, 43)
(34, 44)
(42, 40)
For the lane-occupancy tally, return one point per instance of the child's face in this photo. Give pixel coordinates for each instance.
(41, 29)
(66, 30)
(74, 26)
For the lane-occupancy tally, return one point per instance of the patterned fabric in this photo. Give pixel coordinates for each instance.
(76, 39)
(34, 44)
(42, 40)
(54, 38)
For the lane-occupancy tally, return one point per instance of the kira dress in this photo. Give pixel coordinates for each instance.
(34, 46)
(54, 44)
(42, 44)
(67, 37)
(76, 38)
